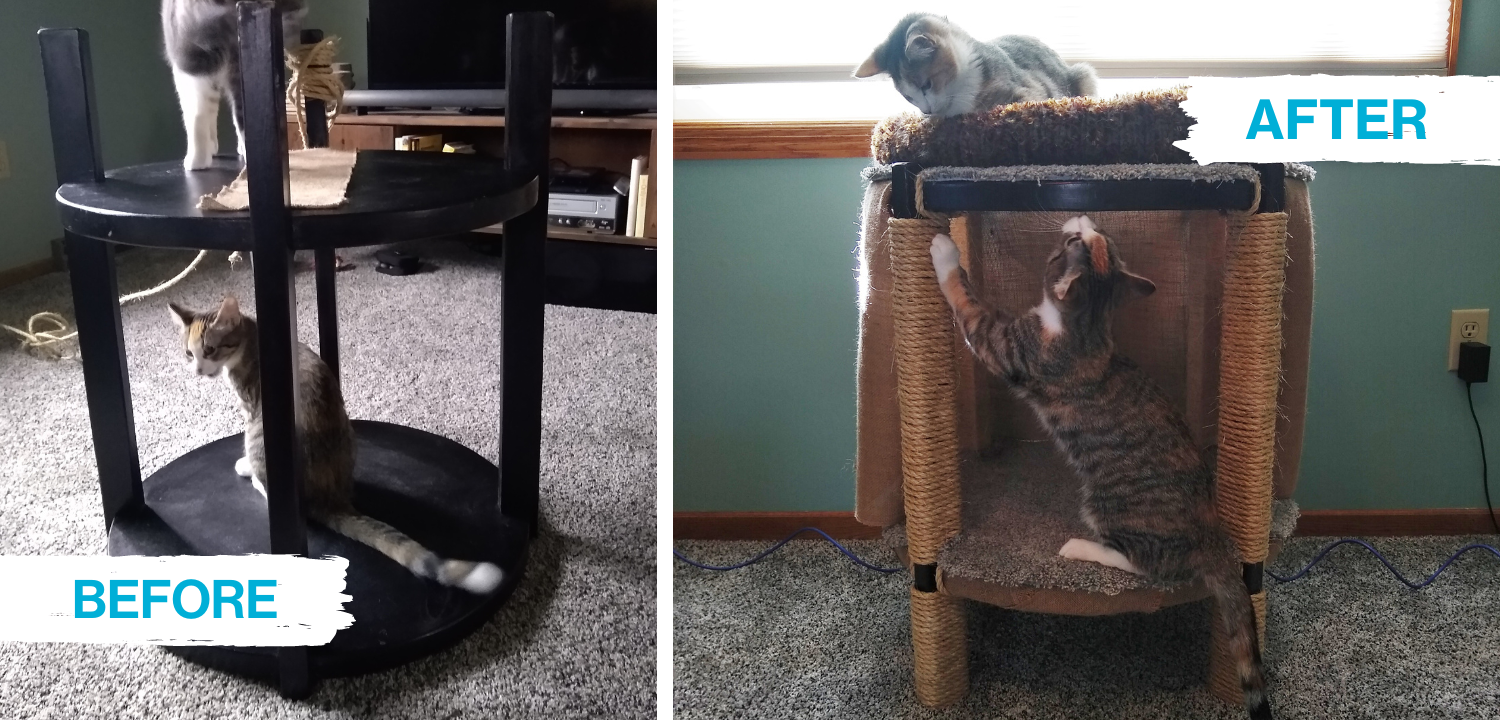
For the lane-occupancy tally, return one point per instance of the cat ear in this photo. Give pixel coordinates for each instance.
(229, 311)
(1133, 287)
(1065, 283)
(180, 315)
(871, 66)
(919, 48)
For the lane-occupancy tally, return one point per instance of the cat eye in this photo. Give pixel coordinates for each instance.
(208, 351)
(188, 353)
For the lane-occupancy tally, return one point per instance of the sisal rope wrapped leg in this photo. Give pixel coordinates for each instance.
(926, 383)
(1250, 371)
(940, 648)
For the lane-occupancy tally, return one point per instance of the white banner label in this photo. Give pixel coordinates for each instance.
(1293, 118)
(247, 600)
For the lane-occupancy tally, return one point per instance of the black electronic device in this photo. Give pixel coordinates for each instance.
(396, 262)
(585, 199)
(451, 53)
(1473, 362)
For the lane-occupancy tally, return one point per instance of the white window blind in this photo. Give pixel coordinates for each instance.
(805, 40)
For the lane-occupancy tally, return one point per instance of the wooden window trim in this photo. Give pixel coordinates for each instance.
(1455, 22)
(771, 139)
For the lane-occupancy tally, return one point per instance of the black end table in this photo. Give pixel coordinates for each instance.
(442, 494)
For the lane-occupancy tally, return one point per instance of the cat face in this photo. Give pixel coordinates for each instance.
(214, 340)
(1086, 272)
(924, 56)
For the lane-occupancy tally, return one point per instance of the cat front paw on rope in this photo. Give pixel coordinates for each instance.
(944, 256)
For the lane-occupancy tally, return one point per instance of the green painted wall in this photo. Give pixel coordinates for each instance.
(763, 353)
(1399, 247)
(765, 327)
(138, 113)
(346, 19)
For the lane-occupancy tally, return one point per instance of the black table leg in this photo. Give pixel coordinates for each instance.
(528, 121)
(325, 265)
(91, 265)
(325, 260)
(264, 82)
(68, 67)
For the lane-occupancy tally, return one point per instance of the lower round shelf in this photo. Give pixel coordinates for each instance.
(440, 493)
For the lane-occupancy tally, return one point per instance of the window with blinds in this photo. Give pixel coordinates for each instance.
(734, 57)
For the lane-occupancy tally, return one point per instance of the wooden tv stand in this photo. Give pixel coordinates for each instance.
(608, 142)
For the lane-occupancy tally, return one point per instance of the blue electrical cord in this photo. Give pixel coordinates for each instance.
(1387, 563)
(678, 554)
(1298, 575)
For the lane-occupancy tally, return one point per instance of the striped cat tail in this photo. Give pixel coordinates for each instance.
(1082, 81)
(476, 577)
(1238, 618)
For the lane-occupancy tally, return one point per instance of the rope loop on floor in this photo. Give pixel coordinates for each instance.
(45, 330)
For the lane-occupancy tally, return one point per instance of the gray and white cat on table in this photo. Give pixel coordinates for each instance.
(944, 71)
(202, 40)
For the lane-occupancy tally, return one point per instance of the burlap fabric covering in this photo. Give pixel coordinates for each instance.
(319, 179)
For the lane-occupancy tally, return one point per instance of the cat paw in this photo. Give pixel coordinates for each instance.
(242, 467)
(198, 159)
(255, 483)
(1090, 551)
(944, 255)
(1076, 549)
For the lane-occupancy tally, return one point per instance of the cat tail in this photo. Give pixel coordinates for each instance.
(476, 577)
(1082, 81)
(1238, 618)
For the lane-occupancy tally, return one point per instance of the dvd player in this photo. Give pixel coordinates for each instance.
(589, 212)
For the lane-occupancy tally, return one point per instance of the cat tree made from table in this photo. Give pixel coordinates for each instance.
(956, 470)
(442, 494)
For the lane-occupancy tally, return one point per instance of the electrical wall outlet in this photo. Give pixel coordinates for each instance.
(1467, 326)
(4, 162)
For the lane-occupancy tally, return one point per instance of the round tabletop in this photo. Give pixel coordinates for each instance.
(392, 196)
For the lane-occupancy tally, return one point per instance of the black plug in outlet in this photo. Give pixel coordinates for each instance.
(1473, 362)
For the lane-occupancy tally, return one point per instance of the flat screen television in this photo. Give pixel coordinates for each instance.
(451, 53)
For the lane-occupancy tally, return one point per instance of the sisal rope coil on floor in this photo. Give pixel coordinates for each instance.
(940, 650)
(1223, 676)
(1249, 374)
(926, 382)
(312, 76)
(41, 340)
